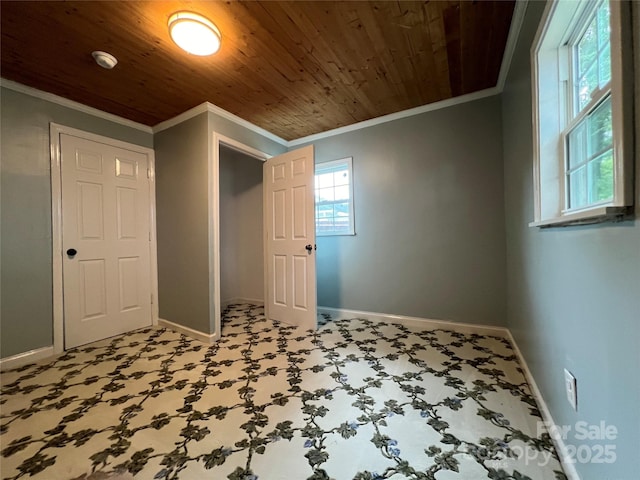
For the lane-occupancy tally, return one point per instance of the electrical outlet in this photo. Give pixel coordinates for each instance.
(571, 388)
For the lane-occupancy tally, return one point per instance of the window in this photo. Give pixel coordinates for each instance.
(581, 149)
(589, 169)
(334, 198)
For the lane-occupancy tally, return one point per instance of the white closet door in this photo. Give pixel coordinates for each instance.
(290, 277)
(106, 240)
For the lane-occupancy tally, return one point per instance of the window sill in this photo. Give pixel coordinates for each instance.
(332, 234)
(587, 217)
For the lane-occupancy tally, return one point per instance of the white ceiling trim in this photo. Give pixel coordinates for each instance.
(80, 107)
(244, 123)
(430, 107)
(183, 117)
(512, 39)
(210, 107)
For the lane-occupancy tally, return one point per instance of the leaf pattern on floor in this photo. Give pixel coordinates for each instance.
(356, 399)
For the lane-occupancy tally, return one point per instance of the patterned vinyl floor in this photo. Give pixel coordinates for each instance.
(356, 399)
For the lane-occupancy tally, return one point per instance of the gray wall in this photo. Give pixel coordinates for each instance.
(241, 235)
(26, 304)
(182, 201)
(26, 311)
(243, 135)
(573, 293)
(182, 223)
(429, 218)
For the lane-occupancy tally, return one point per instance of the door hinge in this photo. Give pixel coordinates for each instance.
(148, 173)
(152, 299)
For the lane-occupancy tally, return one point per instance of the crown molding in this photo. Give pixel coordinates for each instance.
(211, 108)
(244, 123)
(178, 119)
(430, 107)
(512, 40)
(65, 102)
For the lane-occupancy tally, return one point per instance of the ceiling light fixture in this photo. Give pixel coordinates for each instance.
(104, 59)
(194, 33)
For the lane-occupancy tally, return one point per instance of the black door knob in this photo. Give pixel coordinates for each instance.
(72, 252)
(309, 248)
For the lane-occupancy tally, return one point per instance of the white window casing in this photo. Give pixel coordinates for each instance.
(554, 114)
(334, 198)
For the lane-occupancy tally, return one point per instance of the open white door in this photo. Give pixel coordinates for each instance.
(106, 235)
(289, 224)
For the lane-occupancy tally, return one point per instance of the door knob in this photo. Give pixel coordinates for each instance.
(309, 248)
(72, 252)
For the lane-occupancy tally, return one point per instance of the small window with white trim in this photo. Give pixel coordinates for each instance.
(334, 197)
(582, 101)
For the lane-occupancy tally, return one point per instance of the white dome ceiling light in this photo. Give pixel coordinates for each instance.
(194, 33)
(104, 59)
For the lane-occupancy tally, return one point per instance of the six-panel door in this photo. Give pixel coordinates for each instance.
(105, 220)
(290, 281)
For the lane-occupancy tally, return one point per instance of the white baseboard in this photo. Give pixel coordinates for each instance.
(253, 301)
(417, 322)
(561, 448)
(208, 338)
(26, 358)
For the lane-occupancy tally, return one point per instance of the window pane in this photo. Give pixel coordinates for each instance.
(333, 196)
(578, 145)
(586, 85)
(325, 195)
(600, 129)
(341, 209)
(341, 222)
(593, 57)
(578, 188)
(591, 155)
(342, 193)
(325, 180)
(324, 211)
(587, 48)
(341, 178)
(604, 66)
(324, 225)
(603, 24)
(601, 178)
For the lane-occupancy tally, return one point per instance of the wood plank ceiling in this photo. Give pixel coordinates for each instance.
(292, 68)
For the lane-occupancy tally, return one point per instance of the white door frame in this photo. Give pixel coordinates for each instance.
(215, 312)
(55, 130)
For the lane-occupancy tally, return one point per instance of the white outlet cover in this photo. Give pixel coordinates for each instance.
(571, 389)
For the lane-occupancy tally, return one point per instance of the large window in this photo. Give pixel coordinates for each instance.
(589, 166)
(581, 149)
(334, 198)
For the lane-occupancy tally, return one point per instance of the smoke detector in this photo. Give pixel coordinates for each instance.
(104, 59)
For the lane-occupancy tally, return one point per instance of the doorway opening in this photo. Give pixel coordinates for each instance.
(237, 268)
(287, 234)
(241, 232)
